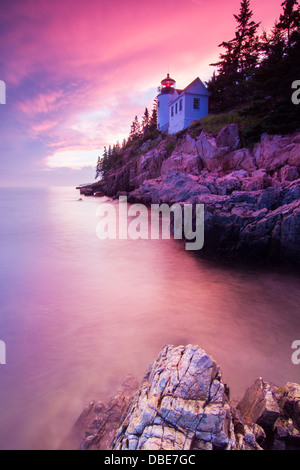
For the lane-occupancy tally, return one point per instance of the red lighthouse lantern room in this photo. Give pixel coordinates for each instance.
(168, 82)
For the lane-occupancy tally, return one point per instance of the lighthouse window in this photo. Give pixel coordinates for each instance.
(176, 108)
(180, 105)
(172, 111)
(196, 103)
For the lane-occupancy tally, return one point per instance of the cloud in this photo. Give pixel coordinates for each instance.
(74, 159)
(44, 126)
(78, 72)
(44, 103)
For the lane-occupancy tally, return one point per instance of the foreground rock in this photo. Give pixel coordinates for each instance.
(98, 422)
(183, 404)
(251, 197)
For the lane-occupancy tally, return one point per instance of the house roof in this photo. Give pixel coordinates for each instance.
(197, 83)
(195, 87)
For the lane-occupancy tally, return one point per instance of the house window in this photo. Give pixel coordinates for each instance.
(180, 105)
(196, 103)
(176, 108)
(172, 111)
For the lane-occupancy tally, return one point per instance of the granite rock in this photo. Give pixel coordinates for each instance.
(259, 215)
(182, 403)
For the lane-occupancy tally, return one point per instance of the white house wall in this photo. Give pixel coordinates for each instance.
(176, 122)
(182, 119)
(191, 113)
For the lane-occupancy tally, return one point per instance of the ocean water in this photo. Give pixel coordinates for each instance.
(78, 313)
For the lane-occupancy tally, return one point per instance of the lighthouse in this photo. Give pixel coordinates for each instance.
(166, 92)
(177, 109)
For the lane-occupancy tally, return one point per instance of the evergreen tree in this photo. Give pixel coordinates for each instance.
(105, 153)
(135, 130)
(153, 117)
(145, 122)
(246, 42)
(102, 164)
(241, 52)
(98, 167)
(272, 45)
(237, 63)
(272, 109)
(117, 148)
(289, 21)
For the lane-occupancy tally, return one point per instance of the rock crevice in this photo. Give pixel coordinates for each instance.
(183, 404)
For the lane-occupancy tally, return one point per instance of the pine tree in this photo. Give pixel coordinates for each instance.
(289, 21)
(242, 52)
(237, 63)
(98, 167)
(102, 164)
(272, 44)
(105, 153)
(223, 86)
(271, 108)
(246, 42)
(145, 121)
(153, 117)
(118, 147)
(135, 130)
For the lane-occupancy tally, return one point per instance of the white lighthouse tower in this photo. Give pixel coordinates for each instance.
(164, 97)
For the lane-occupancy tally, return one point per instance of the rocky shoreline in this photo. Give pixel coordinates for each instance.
(252, 212)
(251, 196)
(183, 404)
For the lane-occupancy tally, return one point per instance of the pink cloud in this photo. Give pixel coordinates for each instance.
(44, 126)
(91, 66)
(97, 37)
(41, 104)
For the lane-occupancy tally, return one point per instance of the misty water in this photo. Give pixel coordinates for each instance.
(78, 313)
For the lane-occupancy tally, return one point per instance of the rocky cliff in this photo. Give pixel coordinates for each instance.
(251, 197)
(183, 404)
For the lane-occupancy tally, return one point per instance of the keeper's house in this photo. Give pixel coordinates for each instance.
(177, 109)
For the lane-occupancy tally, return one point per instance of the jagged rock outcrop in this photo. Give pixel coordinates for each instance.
(96, 427)
(259, 405)
(251, 197)
(183, 404)
(276, 411)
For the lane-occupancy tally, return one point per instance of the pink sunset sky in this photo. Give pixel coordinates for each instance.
(77, 72)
